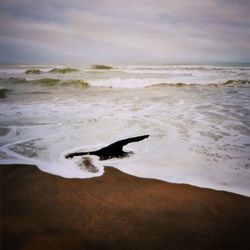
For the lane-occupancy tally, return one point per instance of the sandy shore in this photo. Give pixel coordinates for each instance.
(117, 211)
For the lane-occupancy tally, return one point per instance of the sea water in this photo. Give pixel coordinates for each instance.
(197, 116)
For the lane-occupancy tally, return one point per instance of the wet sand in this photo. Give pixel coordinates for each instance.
(117, 211)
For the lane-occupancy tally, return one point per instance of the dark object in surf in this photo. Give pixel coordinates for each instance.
(113, 150)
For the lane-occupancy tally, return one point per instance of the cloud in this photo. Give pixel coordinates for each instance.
(119, 31)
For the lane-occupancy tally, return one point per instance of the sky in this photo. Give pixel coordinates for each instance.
(124, 31)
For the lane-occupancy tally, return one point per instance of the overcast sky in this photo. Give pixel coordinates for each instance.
(124, 31)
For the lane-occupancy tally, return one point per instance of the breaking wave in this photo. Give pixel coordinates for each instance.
(148, 83)
(227, 83)
(46, 82)
(120, 83)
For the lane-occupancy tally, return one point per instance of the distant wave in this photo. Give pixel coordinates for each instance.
(46, 81)
(140, 69)
(121, 83)
(101, 67)
(180, 84)
(12, 80)
(182, 67)
(147, 83)
(236, 82)
(154, 68)
(62, 70)
(4, 92)
(176, 68)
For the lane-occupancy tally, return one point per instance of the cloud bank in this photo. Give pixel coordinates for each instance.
(139, 31)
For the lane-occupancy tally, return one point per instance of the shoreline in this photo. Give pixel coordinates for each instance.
(188, 183)
(117, 211)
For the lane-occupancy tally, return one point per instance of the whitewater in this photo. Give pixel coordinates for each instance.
(197, 116)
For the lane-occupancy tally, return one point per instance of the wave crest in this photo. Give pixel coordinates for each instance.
(220, 84)
(121, 83)
(4, 92)
(46, 81)
(34, 71)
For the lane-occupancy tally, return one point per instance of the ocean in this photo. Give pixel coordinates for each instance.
(197, 116)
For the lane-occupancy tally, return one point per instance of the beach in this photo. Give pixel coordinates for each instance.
(124, 125)
(196, 116)
(117, 211)
(184, 186)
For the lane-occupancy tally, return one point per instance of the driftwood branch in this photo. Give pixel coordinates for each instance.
(114, 150)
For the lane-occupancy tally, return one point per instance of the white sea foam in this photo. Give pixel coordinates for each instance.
(198, 135)
(125, 83)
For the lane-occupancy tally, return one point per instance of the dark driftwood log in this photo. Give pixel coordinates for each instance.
(112, 150)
